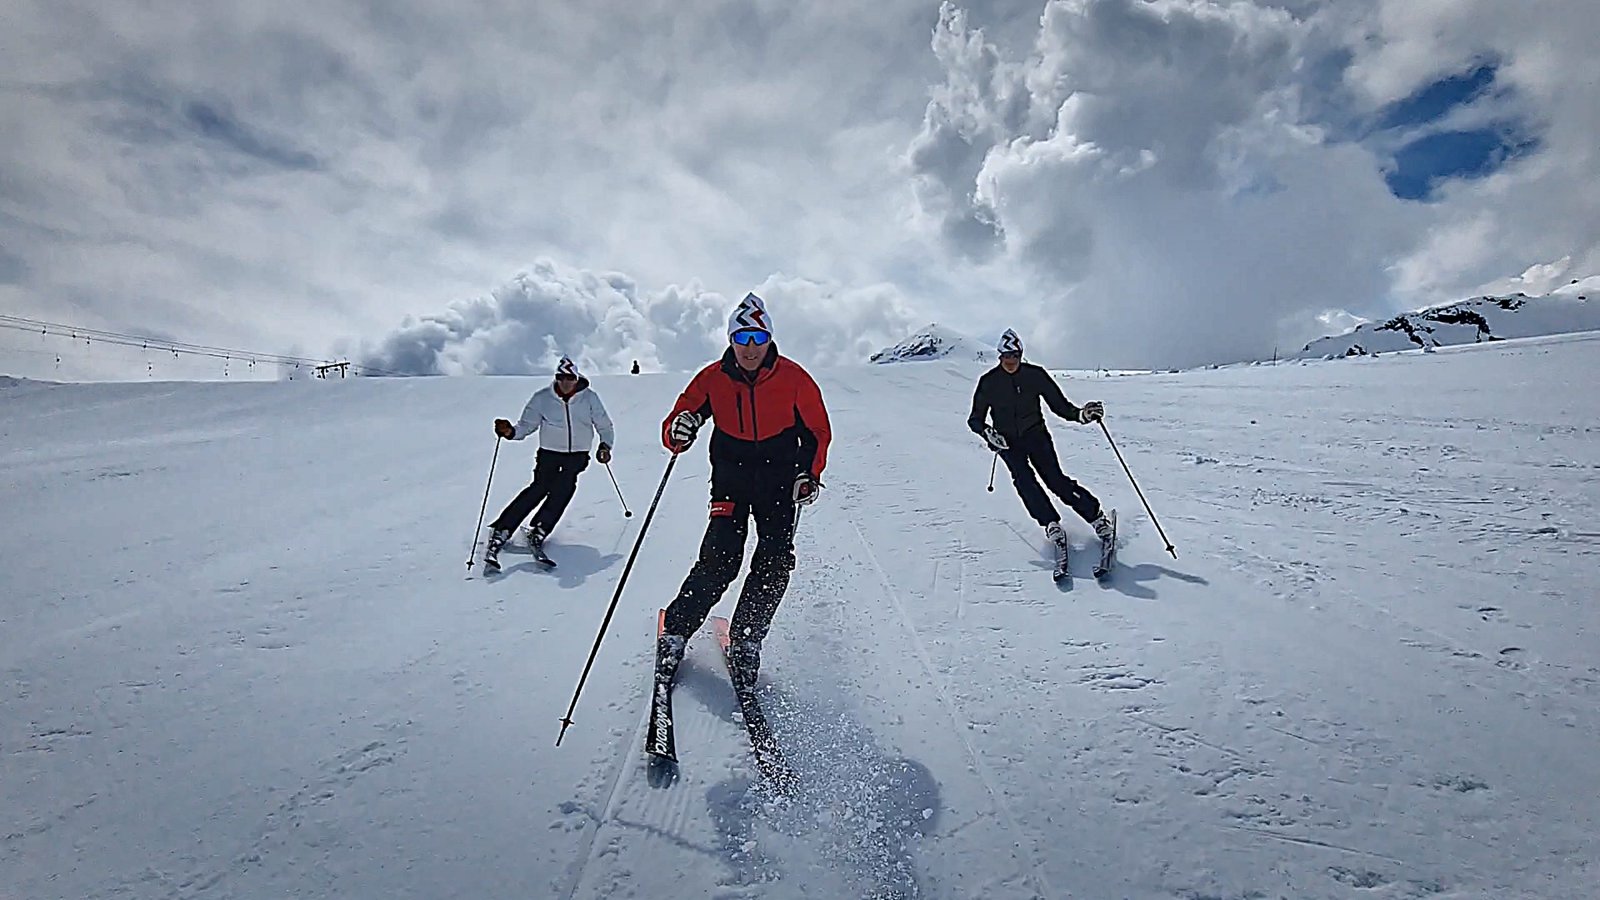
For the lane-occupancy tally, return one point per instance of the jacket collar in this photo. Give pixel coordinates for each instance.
(583, 385)
(730, 365)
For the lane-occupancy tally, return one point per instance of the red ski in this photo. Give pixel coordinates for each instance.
(769, 756)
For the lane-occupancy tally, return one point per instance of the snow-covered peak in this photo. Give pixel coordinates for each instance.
(1572, 308)
(934, 342)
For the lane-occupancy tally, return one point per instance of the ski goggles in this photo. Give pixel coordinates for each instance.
(1011, 354)
(750, 336)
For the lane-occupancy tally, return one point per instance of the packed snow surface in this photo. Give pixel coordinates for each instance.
(241, 654)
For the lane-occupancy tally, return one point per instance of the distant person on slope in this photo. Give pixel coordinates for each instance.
(566, 415)
(1009, 395)
(768, 449)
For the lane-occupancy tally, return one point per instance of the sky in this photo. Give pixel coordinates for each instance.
(484, 188)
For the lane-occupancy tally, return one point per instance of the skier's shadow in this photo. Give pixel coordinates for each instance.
(1124, 578)
(862, 808)
(574, 562)
(706, 685)
(1129, 579)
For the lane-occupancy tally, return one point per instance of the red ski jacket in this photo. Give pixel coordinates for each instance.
(766, 420)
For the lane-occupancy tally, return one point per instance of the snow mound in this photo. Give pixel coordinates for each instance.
(933, 342)
(8, 382)
(1480, 319)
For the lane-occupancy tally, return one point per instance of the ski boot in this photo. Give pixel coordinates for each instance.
(669, 653)
(1054, 533)
(491, 551)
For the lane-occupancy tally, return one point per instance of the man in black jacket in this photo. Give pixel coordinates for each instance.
(1009, 395)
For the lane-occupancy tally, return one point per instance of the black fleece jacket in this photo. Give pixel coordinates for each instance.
(1012, 401)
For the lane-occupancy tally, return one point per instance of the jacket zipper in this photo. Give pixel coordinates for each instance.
(1016, 405)
(755, 428)
(738, 404)
(567, 404)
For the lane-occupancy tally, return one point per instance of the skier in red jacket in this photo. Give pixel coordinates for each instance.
(768, 448)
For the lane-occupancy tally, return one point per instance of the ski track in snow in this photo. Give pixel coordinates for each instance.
(978, 765)
(1372, 670)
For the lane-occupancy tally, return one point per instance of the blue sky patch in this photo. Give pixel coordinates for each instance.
(1437, 99)
(1422, 164)
(1424, 154)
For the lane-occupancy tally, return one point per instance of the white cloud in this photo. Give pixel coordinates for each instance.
(1546, 206)
(259, 175)
(1339, 321)
(1144, 181)
(1182, 176)
(605, 322)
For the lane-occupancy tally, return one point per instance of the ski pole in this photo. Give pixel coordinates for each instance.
(1170, 548)
(566, 721)
(993, 464)
(494, 459)
(626, 512)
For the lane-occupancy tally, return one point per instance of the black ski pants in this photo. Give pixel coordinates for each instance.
(1036, 451)
(555, 480)
(722, 552)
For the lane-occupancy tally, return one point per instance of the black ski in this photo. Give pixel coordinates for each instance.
(770, 761)
(1108, 549)
(659, 743)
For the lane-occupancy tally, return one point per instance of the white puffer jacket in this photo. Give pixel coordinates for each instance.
(565, 426)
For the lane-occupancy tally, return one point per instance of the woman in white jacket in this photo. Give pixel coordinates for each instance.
(567, 414)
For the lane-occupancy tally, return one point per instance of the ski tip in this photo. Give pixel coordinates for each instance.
(720, 628)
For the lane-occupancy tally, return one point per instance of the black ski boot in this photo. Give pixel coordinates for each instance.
(491, 551)
(669, 653)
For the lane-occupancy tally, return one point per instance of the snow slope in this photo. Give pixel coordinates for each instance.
(239, 656)
(1570, 309)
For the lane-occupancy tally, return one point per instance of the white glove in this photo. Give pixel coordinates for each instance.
(995, 439)
(806, 489)
(685, 426)
(1093, 411)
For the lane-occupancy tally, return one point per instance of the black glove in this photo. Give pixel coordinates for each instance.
(681, 432)
(806, 489)
(995, 439)
(603, 455)
(1093, 411)
(504, 428)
